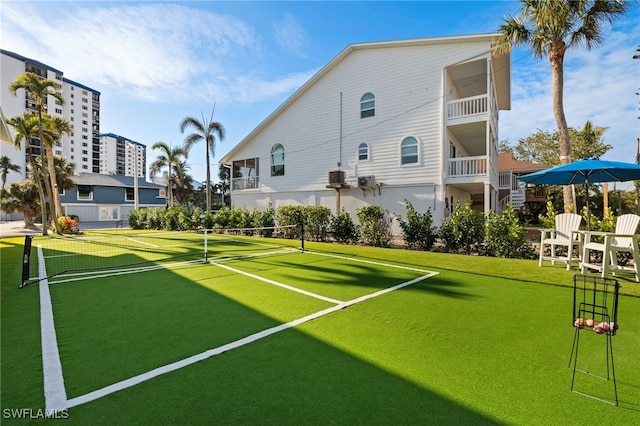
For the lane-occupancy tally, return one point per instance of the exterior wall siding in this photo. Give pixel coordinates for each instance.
(322, 128)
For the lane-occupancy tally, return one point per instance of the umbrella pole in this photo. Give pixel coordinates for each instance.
(586, 184)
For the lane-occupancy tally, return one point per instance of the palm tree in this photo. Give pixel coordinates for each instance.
(170, 158)
(39, 89)
(550, 27)
(7, 166)
(23, 198)
(203, 130)
(26, 128)
(184, 183)
(56, 127)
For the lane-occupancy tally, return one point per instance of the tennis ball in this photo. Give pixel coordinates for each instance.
(590, 322)
(598, 329)
(604, 326)
(579, 323)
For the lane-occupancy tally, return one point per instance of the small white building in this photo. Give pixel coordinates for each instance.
(381, 123)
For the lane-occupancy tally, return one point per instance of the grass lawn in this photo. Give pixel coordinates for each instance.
(485, 341)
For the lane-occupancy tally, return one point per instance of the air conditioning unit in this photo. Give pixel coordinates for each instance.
(336, 177)
(366, 181)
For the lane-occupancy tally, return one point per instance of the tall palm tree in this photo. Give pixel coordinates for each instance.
(550, 27)
(26, 128)
(170, 158)
(205, 130)
(56, 127)
(39, 89)
(7, 166)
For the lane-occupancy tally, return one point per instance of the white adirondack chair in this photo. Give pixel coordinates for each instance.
(566, 235)
(624, 239)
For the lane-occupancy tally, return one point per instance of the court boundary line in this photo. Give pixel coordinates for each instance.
(55, 391)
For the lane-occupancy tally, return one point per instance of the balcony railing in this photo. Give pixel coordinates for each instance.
(467, 107)
(245, 183)
(468, 166)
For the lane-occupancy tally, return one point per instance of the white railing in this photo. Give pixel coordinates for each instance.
(465, 107)
(468, 166)
(507, 180)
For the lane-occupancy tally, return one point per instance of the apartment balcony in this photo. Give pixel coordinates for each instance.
(467, 110)
(476, 169)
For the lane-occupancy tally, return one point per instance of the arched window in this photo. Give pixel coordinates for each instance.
(363, 152)
(277, 160)
(367, 105)
(409, 151)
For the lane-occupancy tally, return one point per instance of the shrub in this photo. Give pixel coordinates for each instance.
(316, 222)
(67, 224)
(375, 226)
(344, 230)
(290, 215)
(506, 237)
(418, 231)
(464, 231)
(266, 219)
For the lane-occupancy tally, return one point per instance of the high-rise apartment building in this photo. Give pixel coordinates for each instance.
(81, 108)
(122, 156)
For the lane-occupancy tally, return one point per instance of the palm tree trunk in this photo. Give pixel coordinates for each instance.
(54, 183)
(46, 184)
(43, 201)
(208, 180)
(556, 58)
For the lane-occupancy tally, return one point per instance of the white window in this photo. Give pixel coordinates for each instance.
(245, 174)
(367, 105)
(85, 192)
(363, 152)
(409, 151)
(277, 160)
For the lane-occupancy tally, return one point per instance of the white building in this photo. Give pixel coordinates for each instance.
(122, 156)
(81, 109)
(381, 123)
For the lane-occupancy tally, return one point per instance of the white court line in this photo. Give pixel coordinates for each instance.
(408, 268)
(127, 383)
(142, 242)
(55, 394)
(267, 280)
(92, 274)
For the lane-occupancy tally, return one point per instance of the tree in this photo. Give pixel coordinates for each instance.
(541, 147)
(184, 183)
(550, 27)
(7, 166)
(169, 157)
(55, 128)
(205, 130)
(26, 128)
(39, 90)
(23, 198)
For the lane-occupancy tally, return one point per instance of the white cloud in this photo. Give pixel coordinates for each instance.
(290, 35)
(149, 52)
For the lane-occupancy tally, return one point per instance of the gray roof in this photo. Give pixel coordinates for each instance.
(112, 180)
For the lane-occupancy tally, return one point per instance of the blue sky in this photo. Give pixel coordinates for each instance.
(158, 62)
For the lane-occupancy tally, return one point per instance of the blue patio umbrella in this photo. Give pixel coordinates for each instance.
(585, 171)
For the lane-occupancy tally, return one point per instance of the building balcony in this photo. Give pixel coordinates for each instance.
(470, 170)
(467, 110)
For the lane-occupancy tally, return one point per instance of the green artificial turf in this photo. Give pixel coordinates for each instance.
(486, 341)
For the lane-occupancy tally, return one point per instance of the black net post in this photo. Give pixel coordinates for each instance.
(26, 260)
(302, 235)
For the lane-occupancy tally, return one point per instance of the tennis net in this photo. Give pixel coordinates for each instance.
(74, 257)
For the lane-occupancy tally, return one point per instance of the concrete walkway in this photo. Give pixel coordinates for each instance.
(16, 228)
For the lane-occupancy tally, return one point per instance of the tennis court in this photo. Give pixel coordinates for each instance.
(119, 310)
